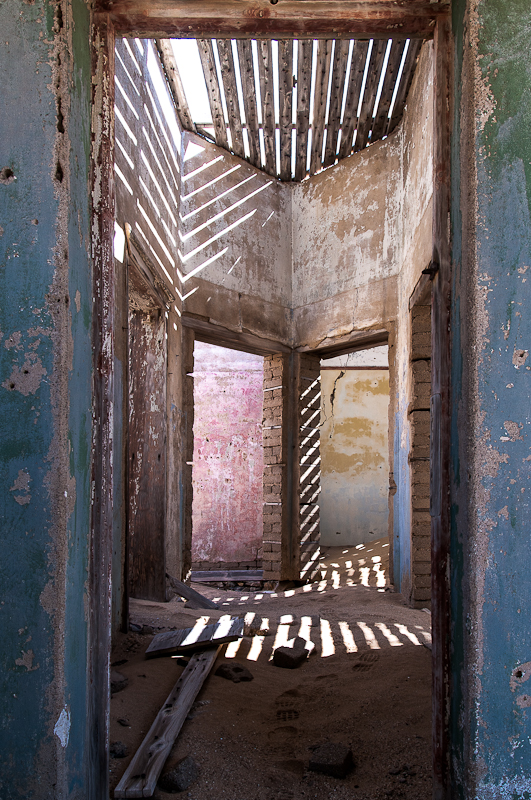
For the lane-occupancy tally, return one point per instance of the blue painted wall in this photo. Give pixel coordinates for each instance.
(491, 551)
(45, 395)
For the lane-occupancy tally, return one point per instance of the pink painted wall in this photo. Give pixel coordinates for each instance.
(228, 456)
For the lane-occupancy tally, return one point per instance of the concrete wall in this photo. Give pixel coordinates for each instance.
(46, 398)
(228, 459)
(491, 334)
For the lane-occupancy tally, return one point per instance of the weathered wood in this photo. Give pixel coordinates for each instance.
(285, 85)
(216, 334)
(140, 777)
(391, 73)
(228, 76)
(350, 120)
(339, 69)
(369, 95)
(322, 74)
(215, 575)
(265, 69)
(190, 594)
(174, 80)
(245, 56)
(405, 83)
(440, 423)
(190, 639)
(304, 85)
(290, 18)
(206, 55)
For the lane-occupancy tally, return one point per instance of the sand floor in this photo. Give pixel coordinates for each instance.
(367, 684)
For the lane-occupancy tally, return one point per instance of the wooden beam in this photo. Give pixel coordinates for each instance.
(304, 85)
(248, 342)
(245, 57)
(288, 19)
(369, 95)
(405, 83)
(265, 69)
(350, 120)
(339, 69)
(226, 63)
(285, 85)
(174, 80)
(140, 777)
(188, 640)
(206, 55)
(190, 594)
(322, 74)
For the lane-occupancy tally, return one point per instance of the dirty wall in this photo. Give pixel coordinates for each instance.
(46, 397)
(227, 523)
(491, 229)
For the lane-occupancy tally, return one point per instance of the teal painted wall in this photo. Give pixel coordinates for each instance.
(491, 550)
(45, 395)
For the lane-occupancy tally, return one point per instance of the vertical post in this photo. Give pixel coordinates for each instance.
(187, 438)
(103, 349)
(307, 484)
(440, 415)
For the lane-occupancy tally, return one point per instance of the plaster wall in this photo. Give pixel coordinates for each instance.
(491, 424)
(228, 459)
(354, 455)
(45, 398)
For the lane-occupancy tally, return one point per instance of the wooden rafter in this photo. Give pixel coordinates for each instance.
(287, 19)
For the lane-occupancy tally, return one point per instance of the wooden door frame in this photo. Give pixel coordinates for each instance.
(226, 18)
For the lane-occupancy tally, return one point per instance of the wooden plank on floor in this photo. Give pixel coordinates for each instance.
(245, 56)
(304, 85)
(265, 69)
(141, 776)
(197, 638)
(350, 120)
(322, 74)
(285, 91)
(228, 75)
(339, 69)
(190, 594)
(206, 54)
(211, 576)
(369, 96)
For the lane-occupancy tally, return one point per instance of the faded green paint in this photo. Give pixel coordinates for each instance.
(45, 391)
(491, 593)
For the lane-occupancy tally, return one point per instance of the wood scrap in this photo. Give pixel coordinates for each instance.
(225, 630)
(215, 575)
(190, 594)
(140, 777)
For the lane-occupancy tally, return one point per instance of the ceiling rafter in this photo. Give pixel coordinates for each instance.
(348, 94)
(284, 19)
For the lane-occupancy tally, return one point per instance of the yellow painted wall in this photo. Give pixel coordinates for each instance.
(354, 455)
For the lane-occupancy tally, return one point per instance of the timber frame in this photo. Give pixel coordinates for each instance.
(265, 19)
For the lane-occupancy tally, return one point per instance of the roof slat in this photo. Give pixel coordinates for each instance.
(265, 68)
(304, 84)
(245, 56)
(285, 85)
(393, 65)
(357, 67)
(174, 80)
(214, 95)
(228, 76)
(369, 96)
(324, 55)
(405, 83)
(336, 99)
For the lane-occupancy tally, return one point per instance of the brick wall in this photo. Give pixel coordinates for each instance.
(419, 456)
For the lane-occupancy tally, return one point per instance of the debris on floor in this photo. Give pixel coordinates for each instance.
(332, 758)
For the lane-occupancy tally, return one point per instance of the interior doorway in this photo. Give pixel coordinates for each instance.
(228, 460)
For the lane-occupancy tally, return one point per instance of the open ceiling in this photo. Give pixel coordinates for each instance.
(293, 107)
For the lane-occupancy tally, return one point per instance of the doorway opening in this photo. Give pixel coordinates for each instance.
(228, 462)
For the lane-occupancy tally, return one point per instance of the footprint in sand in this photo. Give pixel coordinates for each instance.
(287, 714)
(366, 661)
(288, 699)
(283, 736)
